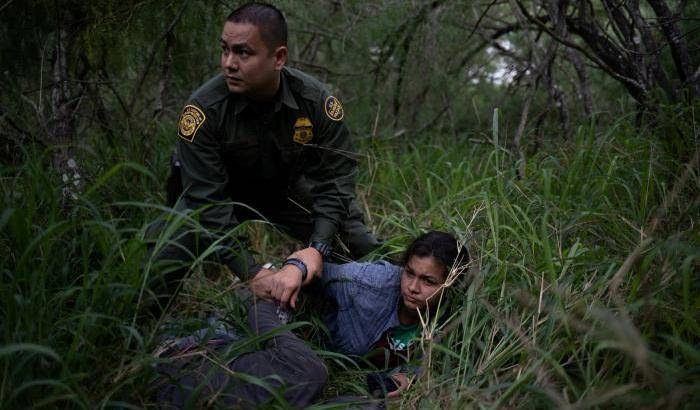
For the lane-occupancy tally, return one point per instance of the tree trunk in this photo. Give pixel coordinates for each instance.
(651, 49)
(63, 104)
(584, 84)
(165, 73)
(673, 34)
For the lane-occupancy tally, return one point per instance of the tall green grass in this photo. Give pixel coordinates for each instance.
(541, 326)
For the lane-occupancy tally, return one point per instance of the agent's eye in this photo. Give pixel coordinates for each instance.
(242, 51)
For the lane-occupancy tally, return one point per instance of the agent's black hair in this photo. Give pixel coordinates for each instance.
(267, 18)
(440, 245)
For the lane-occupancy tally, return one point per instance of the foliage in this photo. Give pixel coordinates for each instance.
(585, 275)
(540, 325)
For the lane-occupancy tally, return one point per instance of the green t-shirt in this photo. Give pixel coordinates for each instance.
(402, 335)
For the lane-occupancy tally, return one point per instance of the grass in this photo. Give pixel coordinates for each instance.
(550, 320)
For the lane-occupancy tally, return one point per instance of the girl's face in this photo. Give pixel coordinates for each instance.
(422, 278)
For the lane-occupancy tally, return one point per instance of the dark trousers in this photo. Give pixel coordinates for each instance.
(285, 364)
(289, 211)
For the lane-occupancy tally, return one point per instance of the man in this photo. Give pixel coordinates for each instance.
(273, 139)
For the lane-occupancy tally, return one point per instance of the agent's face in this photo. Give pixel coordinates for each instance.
(421, 280)
(249, 66)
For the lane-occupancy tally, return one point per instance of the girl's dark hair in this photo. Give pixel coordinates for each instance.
(441, 246)
(267, 18)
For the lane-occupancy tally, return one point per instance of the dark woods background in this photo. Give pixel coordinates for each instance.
(74, 70)
(558, 138)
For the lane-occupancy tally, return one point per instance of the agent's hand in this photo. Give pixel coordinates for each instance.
(285, 286)
(403, 381)
(261, 285)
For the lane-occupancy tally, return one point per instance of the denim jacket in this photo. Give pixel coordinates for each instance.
(367, 295)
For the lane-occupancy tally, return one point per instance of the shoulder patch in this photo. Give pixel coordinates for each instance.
(191, 119)
(333, 108)
(303, 130)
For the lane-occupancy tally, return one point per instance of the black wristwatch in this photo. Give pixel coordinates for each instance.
(323, 248)
(299, 264)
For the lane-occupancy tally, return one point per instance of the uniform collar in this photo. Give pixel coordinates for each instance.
(284, 96)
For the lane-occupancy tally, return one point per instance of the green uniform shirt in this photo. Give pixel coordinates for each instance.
(229, 147)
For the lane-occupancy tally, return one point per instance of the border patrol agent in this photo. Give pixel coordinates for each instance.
(272, 138)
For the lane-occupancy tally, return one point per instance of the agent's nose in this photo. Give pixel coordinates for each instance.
(230, 62)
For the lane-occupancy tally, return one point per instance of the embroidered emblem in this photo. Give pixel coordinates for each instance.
(334, 109)
(303, 130)
(191, 119)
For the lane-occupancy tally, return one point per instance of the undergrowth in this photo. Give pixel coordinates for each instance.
(584, 285)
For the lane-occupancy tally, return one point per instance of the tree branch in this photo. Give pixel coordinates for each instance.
(153, 51)
(679, 51)
(608, 61)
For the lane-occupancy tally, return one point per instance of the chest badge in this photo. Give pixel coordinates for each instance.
(303, 130)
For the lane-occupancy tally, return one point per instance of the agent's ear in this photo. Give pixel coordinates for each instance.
(280, 55)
